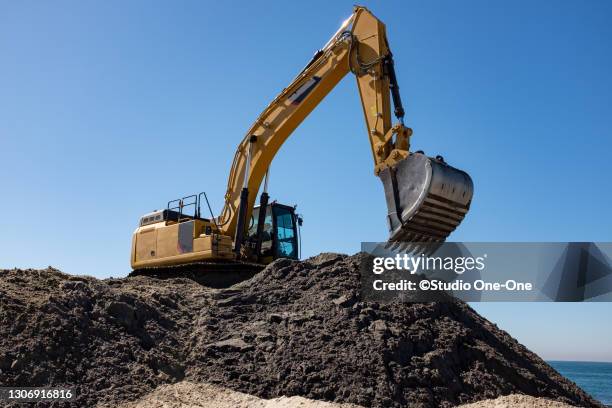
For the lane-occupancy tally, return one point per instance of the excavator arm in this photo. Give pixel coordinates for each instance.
(360, 46)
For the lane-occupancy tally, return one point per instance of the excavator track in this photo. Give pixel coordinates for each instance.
(216, 274)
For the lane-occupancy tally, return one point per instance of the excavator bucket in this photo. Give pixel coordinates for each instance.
(427, 199)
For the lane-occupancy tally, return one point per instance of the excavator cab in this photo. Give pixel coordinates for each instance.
(279, 235)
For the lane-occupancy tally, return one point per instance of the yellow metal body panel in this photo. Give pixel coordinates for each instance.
(147, 243)
(171, 243)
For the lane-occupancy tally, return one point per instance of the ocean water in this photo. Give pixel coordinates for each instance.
(594, 378)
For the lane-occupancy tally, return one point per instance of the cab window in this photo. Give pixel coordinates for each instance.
(286, 246)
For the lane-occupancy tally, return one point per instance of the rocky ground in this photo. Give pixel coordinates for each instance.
(294, 329)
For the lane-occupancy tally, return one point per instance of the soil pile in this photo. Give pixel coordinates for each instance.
(111, 341)
(294, 329)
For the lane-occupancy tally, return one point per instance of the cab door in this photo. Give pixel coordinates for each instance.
(285, 232)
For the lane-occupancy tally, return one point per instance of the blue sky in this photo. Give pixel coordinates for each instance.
(110, 109)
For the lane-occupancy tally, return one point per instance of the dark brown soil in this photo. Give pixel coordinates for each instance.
(296, 328)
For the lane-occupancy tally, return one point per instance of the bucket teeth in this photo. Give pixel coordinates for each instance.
(408, 247)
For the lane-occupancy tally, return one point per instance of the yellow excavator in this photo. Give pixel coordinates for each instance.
(426, 198)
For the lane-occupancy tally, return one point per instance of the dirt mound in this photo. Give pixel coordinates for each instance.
(113, 339)
(296, 328)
